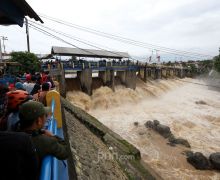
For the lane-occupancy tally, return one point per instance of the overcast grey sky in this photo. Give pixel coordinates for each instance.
(191, 25)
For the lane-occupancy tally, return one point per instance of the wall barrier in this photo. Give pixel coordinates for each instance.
(52, 168)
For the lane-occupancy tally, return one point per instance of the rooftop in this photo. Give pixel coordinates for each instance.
(66, 51)
(14, 11)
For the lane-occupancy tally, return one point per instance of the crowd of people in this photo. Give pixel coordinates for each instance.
(24, 139)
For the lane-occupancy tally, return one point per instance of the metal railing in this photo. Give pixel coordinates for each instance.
(80, 65)
(49, 167)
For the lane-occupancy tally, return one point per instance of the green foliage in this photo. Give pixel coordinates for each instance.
(217, 63)
(29, 61)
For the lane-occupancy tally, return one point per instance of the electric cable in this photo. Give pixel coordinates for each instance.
(127, 40)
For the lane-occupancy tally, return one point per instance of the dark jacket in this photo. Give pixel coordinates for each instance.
(46, 145)
(17, 157)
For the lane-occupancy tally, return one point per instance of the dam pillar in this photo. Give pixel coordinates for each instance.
(181, 73)
(103, 75)
(184, 73)
(85, 77)
(130, 79)
(165, 75)
(59, 73)
(153, 73)
(167, 72)
(172, 72)
(110, 79)
(121, 75)
(145, 74)
(158, 72)
(177, 72)
(149, 73)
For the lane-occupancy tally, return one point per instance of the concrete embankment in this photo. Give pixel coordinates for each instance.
(98, 152)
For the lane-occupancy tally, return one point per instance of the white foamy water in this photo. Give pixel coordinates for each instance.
(173, 103)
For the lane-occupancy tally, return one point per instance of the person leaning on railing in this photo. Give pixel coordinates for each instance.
(32, 119)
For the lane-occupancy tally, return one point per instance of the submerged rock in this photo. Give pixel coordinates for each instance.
(163, 130)
(188, 153)
(149, 124)
(198, 160)
(156, 122)
(180, 141)
(215, 160)
(201, 102)
(136, 123)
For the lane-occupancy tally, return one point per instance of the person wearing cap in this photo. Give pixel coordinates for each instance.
(29, 84)
(32, 116)
(19, 86)
(15, 99)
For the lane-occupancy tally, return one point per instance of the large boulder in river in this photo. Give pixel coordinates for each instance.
(156, 122)
(163, 130)
(180, 141)
(149, 124)
(198, 160)
(215, 160)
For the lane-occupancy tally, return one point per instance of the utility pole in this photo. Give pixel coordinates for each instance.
(219, 52)
(3, 40)
(157, 56)
(0, 50)
(27, 33)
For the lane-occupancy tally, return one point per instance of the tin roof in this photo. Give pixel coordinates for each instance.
(14, 11)
(66, 51)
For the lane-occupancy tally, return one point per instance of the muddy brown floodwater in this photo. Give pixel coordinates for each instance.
(191, 111)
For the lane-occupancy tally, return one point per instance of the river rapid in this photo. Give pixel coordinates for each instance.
(191, 110)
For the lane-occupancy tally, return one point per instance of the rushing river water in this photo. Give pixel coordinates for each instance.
(192, 111)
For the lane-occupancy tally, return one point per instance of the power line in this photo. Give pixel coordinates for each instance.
(56, 37)
(132, 44)
(127, 40)
(78, 39)
(60, 39)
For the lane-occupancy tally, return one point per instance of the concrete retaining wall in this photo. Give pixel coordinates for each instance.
(134, 167)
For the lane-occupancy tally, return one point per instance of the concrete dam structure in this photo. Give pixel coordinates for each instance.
(92, 144)
(97, 151)
(125, 75)
(78, 74)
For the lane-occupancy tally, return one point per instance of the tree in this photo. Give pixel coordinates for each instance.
(217, 63)
(29, 61)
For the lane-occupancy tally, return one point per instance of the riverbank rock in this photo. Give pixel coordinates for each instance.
(156, 122)
(214, 159)
(136, 123)
(149, 124)
(201, 102)
(198, 160)
(180, 141)
(165, 131)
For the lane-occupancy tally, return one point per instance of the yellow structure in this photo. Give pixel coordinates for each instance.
(57, 109)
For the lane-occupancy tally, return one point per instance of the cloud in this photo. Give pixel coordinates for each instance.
(180, 24)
